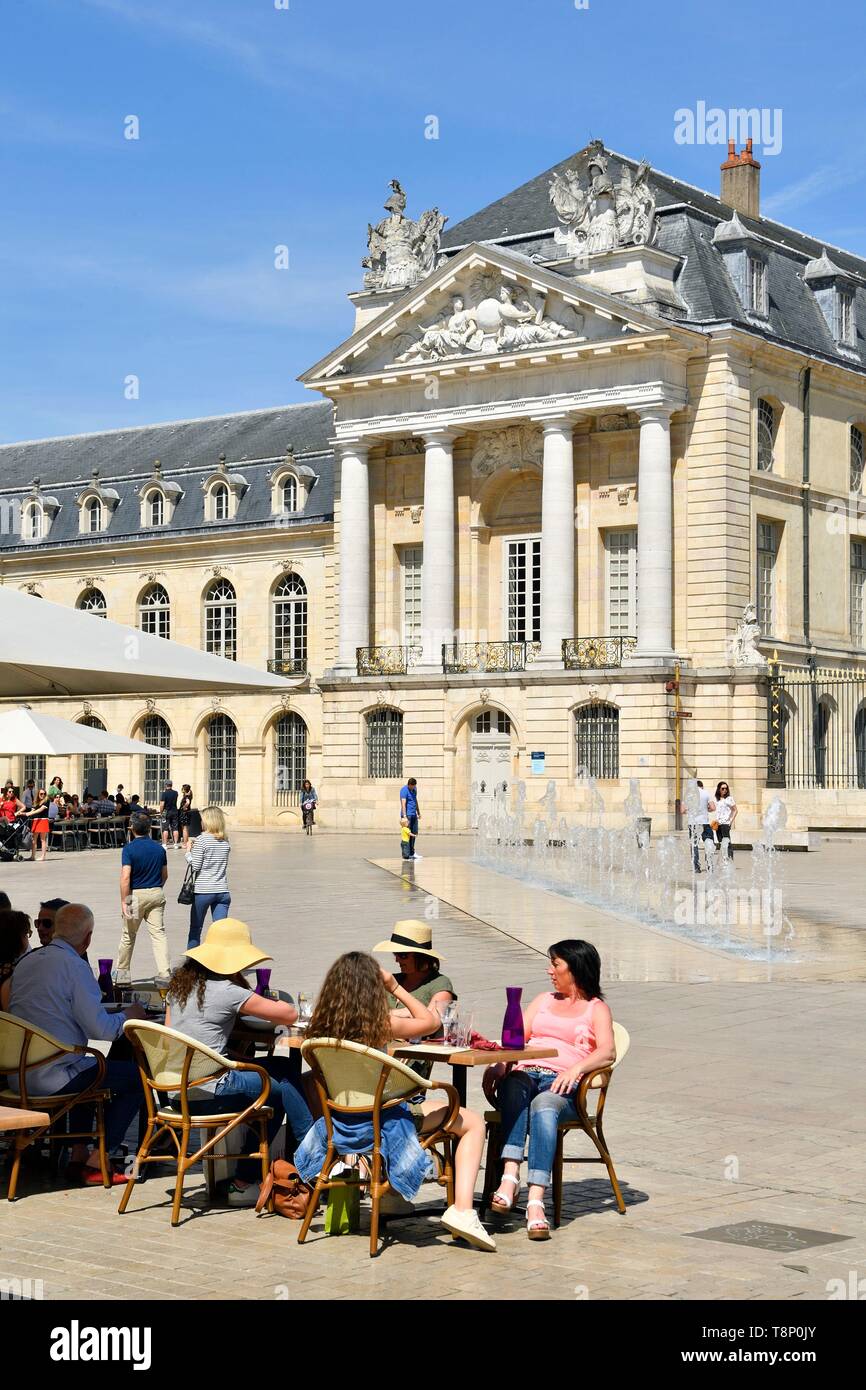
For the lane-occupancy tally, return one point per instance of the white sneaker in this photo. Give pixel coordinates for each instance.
(466, 1226)
(417, 856)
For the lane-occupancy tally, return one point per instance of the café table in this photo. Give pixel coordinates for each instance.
(460, 1059)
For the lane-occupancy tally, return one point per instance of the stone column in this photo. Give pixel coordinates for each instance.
(557, 538)
(437, 569)
(654, 537)
(354, 554)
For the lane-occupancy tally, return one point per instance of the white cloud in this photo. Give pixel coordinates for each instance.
(825, 180)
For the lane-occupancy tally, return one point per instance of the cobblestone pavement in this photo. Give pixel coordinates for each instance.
(741, 1101)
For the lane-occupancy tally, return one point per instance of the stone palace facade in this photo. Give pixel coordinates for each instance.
(608, 428)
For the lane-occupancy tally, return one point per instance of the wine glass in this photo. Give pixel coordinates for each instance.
(305, 1007)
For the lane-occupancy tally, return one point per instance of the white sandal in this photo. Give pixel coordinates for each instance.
(499, 1202)
(535, 1229)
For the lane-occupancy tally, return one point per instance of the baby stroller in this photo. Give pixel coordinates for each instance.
(12, 835)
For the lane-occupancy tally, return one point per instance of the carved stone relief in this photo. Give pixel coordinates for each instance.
(493, 316)
(514, 446)
(596, 214)
(400, 251)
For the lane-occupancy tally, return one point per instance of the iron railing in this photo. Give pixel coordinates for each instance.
(484, 656)
(593, 653)
(288, 665)
(816, 727)
(387, 661)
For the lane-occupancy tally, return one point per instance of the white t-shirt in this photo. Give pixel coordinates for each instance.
(725, 808)
(702, 815)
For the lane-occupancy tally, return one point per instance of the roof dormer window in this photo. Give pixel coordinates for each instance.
(94, 515)
(833, 289)
(757, 284)
(37, 514)
(95, 506)
(223, 492)
(845, 324)
(158, 498)
(290, 486)
(155, 508)
(220, 502)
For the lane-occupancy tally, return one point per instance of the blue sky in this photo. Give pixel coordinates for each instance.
(262, 126)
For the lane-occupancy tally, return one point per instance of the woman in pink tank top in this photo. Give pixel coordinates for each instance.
(533, 1097)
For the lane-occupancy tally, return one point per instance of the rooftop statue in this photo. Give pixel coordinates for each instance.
(400, 251)
(598, 215)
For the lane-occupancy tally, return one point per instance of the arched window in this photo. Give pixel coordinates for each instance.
(596, 729)
(290, 759)
(93, 601)
(32, 527)
(155, 508)
(289, 494)
(92, 762)
(766, 435)
(156, 765)
(220, 502)
(492, 721)
(221, 620)
(385, 743)
(290, 623)
(856, 459)
(94, 515)
(222, 746)
(154, 611)
(820, 741)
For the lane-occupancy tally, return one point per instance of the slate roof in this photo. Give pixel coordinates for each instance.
(252, 441)
(687, 217)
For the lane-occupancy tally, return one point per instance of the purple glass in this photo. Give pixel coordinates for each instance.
(106, 984)
(105, 964)
(513, 1035)
(263, 978)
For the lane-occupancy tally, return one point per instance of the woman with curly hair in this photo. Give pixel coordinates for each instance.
(205, 996)
(353, 1006)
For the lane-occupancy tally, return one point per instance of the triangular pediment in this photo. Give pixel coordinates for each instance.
(484, 303)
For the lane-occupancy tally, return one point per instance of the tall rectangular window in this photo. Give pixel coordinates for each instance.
(523, 594)
(845, 325)
(757, 268)
(858, 589)
(411, 558)
(34, 766)
(621, 580)
(768, 550)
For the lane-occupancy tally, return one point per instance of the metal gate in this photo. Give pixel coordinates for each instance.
(816, 727)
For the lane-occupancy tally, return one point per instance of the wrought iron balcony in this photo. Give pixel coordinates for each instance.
(595, 653)
(387, 661)
(288, 665)
(485, 656)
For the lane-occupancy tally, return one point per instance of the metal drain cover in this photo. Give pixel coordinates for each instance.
(768, 1235)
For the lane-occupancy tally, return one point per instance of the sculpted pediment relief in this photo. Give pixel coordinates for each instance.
(597, 214)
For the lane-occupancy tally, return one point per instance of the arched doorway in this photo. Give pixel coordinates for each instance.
(490, 760)
(94, 766)
(154, 730)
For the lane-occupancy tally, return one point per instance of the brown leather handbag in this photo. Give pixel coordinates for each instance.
(291, 1194)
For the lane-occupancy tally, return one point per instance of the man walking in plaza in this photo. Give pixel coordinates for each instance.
(409, 811)
(143, 872)
(699, 825)
(168, 811)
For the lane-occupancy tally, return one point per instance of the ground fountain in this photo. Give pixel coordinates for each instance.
(618, 867)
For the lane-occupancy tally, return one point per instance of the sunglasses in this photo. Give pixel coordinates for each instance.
(42, 922)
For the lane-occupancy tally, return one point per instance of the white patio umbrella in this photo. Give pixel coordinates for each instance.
(25, 730)
(47, 649)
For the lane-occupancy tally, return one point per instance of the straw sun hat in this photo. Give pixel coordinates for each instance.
(228, 948)
(410, 935)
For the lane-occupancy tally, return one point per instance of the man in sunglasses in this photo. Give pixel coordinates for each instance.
(44, 919)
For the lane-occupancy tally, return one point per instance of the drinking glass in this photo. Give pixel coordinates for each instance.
(305, 1008)
(452, 1025)
(465, 1031)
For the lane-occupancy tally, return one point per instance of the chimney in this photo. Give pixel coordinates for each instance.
(741, 181)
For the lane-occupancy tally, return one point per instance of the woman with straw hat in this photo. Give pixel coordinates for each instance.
(205, 996)
(411, 944)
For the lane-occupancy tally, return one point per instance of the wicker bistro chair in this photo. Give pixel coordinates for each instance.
(171, 1062)
(352, 1080)
(590, 1122)
(23, 1047)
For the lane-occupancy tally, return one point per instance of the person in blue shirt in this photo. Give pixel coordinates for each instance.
(143, 872)
(54, 989)
(410, 813)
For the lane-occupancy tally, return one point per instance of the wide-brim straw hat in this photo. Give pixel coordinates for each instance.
(228, 948)
(410, 935)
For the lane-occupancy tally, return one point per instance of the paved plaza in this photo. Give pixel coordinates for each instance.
(740, 1104)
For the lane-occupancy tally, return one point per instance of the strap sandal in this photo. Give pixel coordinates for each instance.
(537, 1228)
(500, 1200)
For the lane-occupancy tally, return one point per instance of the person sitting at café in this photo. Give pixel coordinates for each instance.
(16, 930)
(55, 989)
(88, 805)
(535, 1096)
(206, 994)
(45, 918)
(106, 806)
(353, 1005)
(411, 944)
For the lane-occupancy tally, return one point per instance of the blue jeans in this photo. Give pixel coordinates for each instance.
(699, 833)
(413, 831)
(526, 1103)
(285, 1100)
(219, 904)
(127, 1098)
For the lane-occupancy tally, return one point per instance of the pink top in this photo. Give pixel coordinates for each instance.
(557, 1025)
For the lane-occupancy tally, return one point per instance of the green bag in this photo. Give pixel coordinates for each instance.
(343, 1212)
